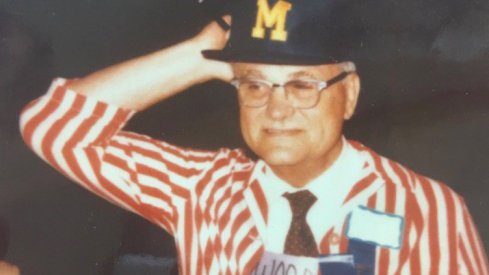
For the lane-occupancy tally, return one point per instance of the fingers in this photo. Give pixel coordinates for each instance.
(8, 269)
(224, 22)
(213, 36)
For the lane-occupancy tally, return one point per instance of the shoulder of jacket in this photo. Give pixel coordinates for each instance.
(400, 176)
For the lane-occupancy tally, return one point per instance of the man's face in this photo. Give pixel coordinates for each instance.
(288, 137)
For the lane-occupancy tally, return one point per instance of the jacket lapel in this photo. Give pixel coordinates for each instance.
(257, 209)
(369, 181)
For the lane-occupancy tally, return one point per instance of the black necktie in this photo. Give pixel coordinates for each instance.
(300, 241)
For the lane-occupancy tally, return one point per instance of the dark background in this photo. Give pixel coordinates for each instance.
(424, 103)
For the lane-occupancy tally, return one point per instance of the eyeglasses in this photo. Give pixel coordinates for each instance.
(302, 94)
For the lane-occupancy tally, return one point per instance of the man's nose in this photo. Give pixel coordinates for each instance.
(278, 106)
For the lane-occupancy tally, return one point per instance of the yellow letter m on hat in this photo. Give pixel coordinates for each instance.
(271, 18)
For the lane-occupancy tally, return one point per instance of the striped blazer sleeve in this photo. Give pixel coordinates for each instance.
(472, 259)
(439, 234)
(82, 138)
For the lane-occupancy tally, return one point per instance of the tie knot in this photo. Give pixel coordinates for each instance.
(300, 202)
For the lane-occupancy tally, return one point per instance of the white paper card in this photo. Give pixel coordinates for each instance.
(376, 227)
(346, 259)
(274, 263)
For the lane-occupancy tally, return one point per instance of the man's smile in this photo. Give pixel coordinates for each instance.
(278, 132)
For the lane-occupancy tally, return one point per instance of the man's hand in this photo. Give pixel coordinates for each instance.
(213, 37)
(8, 269)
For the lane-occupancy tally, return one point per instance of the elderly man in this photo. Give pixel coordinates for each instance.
(313, 202)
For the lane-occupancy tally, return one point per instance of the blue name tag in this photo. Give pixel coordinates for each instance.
(364, 255)
(337, 265)
(378, 228)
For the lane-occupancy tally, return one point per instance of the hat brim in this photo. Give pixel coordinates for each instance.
(275, 58)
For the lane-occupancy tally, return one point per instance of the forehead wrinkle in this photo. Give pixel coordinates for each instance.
(250, 72)
(302, 74)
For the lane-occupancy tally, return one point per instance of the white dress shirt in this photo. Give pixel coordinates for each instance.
(330, 188)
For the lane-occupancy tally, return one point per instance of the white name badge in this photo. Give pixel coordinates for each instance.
(281, 264)
(376, 227)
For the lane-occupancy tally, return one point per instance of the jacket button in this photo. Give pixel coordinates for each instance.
(334, 238)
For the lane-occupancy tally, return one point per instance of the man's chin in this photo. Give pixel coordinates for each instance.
(280, 158)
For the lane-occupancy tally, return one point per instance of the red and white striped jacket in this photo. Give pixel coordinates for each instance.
(209, 200)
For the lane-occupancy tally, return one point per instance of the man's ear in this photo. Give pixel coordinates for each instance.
(352, 90)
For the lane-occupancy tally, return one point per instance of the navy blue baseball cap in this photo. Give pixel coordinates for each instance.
(293, 32)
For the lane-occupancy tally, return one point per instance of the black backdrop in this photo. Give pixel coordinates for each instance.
(424, 103)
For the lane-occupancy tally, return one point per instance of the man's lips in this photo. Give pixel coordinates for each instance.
(281, 131)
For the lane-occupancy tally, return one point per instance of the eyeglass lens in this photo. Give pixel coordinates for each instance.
(301, 94)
